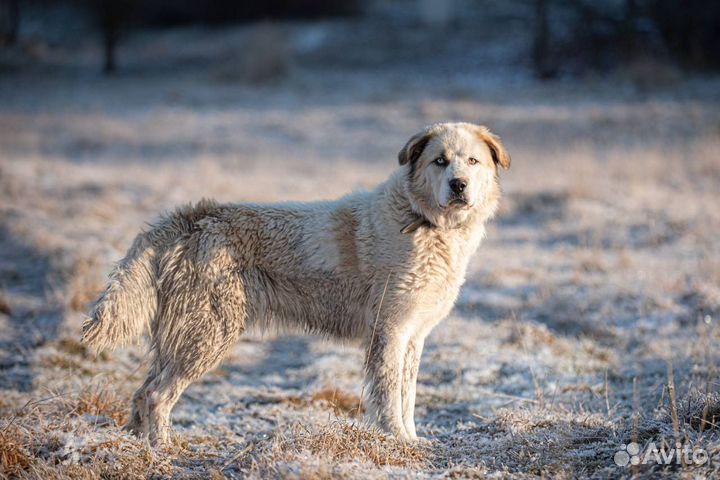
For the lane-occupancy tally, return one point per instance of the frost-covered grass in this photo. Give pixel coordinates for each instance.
(589, 317)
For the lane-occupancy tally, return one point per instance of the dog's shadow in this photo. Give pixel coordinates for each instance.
(282, 366)
(28, 317)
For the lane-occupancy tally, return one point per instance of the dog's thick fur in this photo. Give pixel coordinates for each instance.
(383, 267)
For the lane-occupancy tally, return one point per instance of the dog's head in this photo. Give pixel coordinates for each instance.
(452, 172)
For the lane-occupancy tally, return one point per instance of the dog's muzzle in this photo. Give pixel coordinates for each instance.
(458, 201)
(458, 187)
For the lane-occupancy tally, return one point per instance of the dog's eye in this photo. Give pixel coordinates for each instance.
(441, 161)
(472, 161)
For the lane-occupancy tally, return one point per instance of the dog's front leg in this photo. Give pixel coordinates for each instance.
(411, 365)
(385, 357)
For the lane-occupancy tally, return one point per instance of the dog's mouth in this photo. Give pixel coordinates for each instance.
(458, 202)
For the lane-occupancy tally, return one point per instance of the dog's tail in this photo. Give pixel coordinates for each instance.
(129, 303)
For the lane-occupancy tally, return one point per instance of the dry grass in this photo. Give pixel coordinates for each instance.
(35, 447)
(339, 400)
(591, 262)
(343, 442)
(700, 411)
(72, 355)
(523, 420)
(63, 362)
(102, 402)
(116, 460)
(4, 304)
(531, 336)
(73, 347)
(14, 456)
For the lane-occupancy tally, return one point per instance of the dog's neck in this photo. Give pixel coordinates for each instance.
(419, 222)
(412, 215)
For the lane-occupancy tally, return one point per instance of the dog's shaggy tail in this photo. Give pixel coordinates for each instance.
(129, 303)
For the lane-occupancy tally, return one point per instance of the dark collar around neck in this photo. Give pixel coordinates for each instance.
(419, 221)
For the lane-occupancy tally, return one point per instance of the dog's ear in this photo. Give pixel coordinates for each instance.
(499, 155)
(414, 147)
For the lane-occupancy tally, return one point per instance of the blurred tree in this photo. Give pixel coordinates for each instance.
(9, 21)
(112, 18)
(630, 22)
(541, 42)
(115, 17)
(690, 29)
(177, 12)
(577, 35)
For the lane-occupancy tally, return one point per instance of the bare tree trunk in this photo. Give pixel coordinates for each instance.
(541, 44)
(14, 20)
(9, 21)
(110, 35)
(113, 17)
(630, 31)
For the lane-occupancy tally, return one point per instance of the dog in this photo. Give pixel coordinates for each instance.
(383, 267)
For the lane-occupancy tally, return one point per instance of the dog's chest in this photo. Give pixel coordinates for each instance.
(440, 261)
(438, 271)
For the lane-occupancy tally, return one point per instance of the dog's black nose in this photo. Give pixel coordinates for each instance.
(457, 185)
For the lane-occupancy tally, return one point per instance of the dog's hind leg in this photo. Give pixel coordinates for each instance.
(138, 424)
(186, 366)
(194, 346)
(163, 391)
(202, 314)
(161, 396)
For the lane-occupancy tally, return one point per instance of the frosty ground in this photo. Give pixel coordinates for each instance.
(589, 316)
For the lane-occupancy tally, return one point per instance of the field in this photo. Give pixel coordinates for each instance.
(589, 319)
